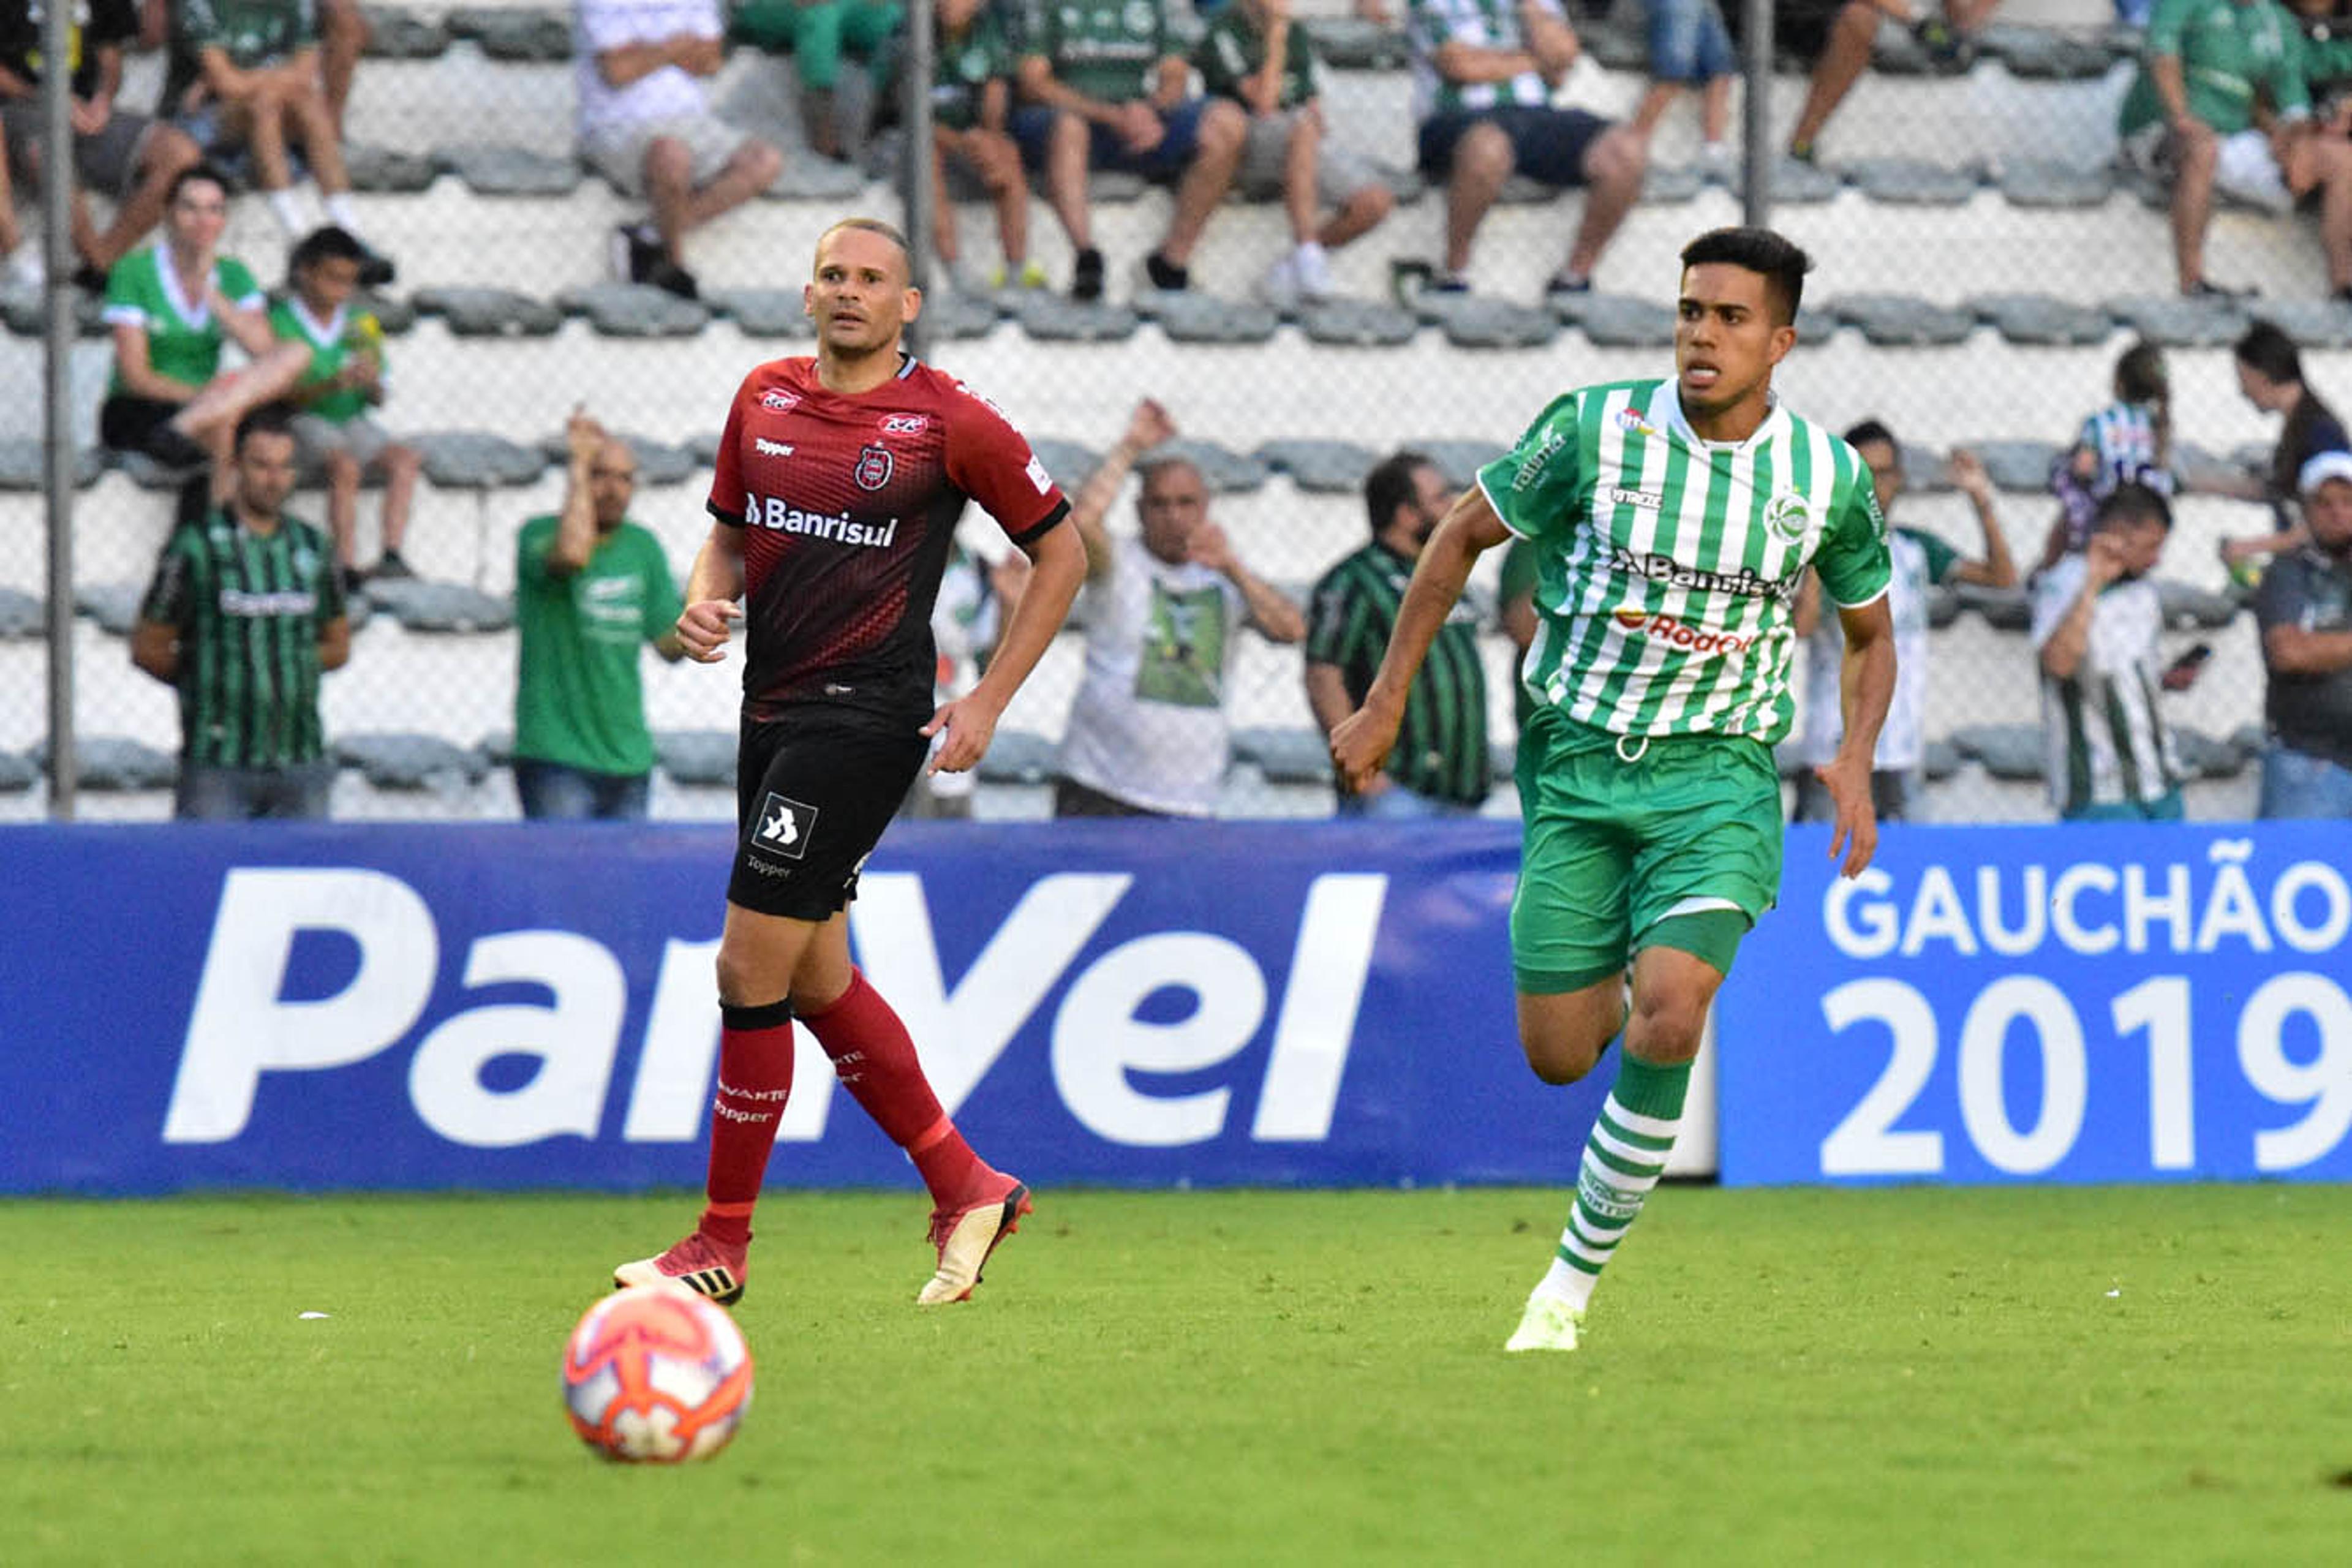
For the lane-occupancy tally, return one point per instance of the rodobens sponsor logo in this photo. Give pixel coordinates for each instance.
(1681, 635)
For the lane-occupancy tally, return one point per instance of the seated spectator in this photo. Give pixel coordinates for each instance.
(2305, 609)
(245, 76)
(2096, 617)
(344, 34)
(2128, 441)
(1440, 765)
(1838, 36)
(1147, 733)
(344, 379)
(971, 105)
(647, 124)
(1921, 560)
(817, 33)
(1105, 85)
(1483, 77)
(1691, 49)
(2270, 374)
(591, 589)
(2219, 104)
(129, 157)
(1252, 56)
(172, 306)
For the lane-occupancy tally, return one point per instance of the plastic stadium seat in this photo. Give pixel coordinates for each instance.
(1913, 183)
(816, 180)
(2037, 320)
(394, 315)
(763, 312)
(1943, 606)
(21, 615)
(113, 606)
(388, 169)
(112, 764)
(24, 465)
(1049, 318)
(960, 316)
(2313, 323)
(2187, 606)
(1460, 461)
(2178, 324)
(17, 772)
(1225, 472)
(2208, 756)
(1019, 757)
(2003, 609)
(1319, 466)
(658, 462)
(2044, 183)
(1351, 43)
(1286, 755)
(475, 459)
(2250, 740)
(1615, 46)
(1903, 320)
(1503, 759)
(2021, 465)
(1789, 759)
(1490, 324)
(698, 756)
(420, 604)
(507, 33)
(1358, 324)
(498, 746)
(2007, 751)
(1068, 461)
(1190, 318)
(27, 313)
(1816, 323)
(1665, 185)
(1520, 190)
(1112, 186)
(151, 474)
(2040, 54)
(1925, 471)
(404, 760)
(1941, 760)
(2210, 473)
(1794, 184)
(1620, 320)
(634, 311)
(509, 170)
(1895, 52)
(477, 312)
(395, 35)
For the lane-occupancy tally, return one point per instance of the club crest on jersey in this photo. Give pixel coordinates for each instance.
(1788, 517)
(784, 826)
(1629, 420)
(903, 425)
(874, 468)
(785, 401)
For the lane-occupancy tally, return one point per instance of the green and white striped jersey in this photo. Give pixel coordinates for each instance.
(1431, 25)
(1668, 566)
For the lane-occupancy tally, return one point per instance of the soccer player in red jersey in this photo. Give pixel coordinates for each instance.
(840, 479)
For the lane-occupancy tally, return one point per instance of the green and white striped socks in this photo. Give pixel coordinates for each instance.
(1623, 1159)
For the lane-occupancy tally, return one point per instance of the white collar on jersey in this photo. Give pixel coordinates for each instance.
(1681, 426)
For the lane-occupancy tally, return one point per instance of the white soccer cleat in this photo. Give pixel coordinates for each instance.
(1550, 1324)
(965, 1237)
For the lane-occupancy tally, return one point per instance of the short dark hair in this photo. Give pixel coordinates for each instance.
(1779, 258)
(1392, 484)
(2132, 501)
(887, 230)
(269, 420)
(329, 242)
(2268, 350)
(1864, 431)
(201, 169)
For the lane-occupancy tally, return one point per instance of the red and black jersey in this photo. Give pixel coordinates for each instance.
(848, 505)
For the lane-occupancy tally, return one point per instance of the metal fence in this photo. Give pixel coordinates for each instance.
(1941, 192)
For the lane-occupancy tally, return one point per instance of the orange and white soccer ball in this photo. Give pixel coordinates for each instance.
(656, 1374)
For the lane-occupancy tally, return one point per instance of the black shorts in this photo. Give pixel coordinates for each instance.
(814, 790)
(1547, 144)
(127, 423)
(1801, 28)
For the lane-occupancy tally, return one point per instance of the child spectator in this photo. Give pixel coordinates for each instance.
(344, 379)
(1252, 55)
(2129, 441)
(971, 102)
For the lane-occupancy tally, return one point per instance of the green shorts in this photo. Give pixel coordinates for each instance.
(1612, 848)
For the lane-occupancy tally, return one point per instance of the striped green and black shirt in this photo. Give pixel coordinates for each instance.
(1441, 750)
(249, 609)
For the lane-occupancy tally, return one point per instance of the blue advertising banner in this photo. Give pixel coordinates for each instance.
(2084, 1004)
(502, 1007)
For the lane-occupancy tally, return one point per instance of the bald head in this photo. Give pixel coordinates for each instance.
(613, 483)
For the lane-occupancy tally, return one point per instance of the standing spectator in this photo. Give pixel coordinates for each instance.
(244, 75)
(1253, 57)
(975, 604)
(1440, 766)
(817, 33)
(591, 588)
(1920, 561)
(647, 124)
(2305, 609)
(1484, 71)
(2270, 374)
(2096, 617)
(1690, 48)
(1105, 85)
(1147, 733)
(2219, 104)
(971, 105)
(171, 308)
(345, 378)
(130, 157)
(2127, 442)
(244, 614)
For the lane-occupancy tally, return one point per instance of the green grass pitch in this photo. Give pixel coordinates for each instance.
(2151, 1375)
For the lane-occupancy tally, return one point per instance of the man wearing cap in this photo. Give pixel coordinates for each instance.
(2305, 610)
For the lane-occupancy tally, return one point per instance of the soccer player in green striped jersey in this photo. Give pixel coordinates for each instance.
(1672, 521)
(244, 614)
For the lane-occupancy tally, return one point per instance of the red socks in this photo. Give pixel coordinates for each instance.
(876, 1062)
(755, 1077)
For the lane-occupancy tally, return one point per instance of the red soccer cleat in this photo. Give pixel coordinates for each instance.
(698, 1263)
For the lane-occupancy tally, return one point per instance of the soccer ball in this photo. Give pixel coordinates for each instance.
(656, 1374)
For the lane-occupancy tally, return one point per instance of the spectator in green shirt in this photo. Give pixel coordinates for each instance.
(818, 34)
(590, 587)
(1252, 56)
(972, 103)
(1104, 85)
